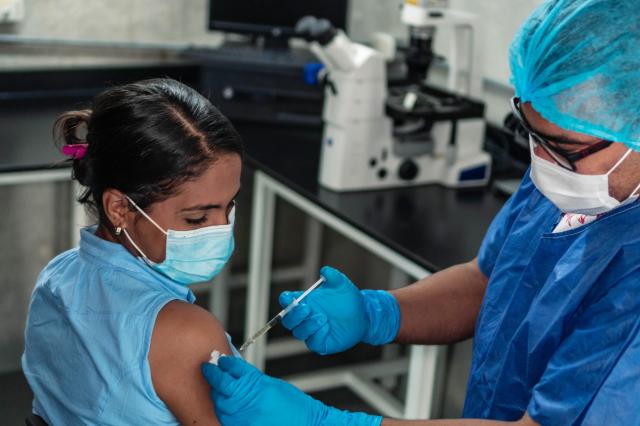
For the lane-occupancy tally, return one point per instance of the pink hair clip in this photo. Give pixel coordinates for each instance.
(76, 151)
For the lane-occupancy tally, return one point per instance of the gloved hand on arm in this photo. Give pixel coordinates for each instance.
(243, 395)
(338, 315)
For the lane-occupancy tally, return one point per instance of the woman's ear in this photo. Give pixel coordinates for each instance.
(116, 207)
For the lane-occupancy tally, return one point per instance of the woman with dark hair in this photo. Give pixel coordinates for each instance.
(113, 336)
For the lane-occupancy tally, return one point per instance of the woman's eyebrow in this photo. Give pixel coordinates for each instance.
(205, 207)
(202, 207)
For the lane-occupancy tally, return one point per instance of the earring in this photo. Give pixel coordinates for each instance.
(118, 230)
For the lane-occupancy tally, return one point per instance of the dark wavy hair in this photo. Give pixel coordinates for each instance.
(144, 139)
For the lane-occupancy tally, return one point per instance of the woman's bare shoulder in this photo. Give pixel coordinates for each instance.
(183, 337)
(189, 324)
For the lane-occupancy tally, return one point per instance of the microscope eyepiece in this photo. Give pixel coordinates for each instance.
(314, 29)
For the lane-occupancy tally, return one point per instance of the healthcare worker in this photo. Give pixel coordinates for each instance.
(553, 298)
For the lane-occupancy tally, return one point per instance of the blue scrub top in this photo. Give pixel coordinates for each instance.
(558, 333)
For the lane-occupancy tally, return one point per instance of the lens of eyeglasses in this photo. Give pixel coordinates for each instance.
(538, 140)
(559, 159)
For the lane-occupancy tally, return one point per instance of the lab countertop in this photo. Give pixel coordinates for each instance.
(25, 57)
(431, 225)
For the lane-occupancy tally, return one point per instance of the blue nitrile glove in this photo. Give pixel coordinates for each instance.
(336, 316)
(243, 395)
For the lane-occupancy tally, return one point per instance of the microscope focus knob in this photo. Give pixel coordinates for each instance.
(408, 170)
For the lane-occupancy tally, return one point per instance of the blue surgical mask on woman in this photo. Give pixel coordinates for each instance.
(192, 256)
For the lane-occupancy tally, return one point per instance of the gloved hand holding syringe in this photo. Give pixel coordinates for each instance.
(280, 315)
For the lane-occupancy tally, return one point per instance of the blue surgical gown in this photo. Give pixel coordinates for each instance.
(558, 334)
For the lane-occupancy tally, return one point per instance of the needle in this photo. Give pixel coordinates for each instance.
(273, 321)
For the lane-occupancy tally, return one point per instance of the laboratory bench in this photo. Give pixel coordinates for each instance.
(433, 226)
(417, 230)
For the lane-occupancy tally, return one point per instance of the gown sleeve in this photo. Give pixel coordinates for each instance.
(593, 378)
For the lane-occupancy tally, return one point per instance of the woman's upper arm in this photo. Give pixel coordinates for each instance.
(183, 337)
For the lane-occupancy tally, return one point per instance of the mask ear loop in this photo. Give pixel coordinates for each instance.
(624, 157)
(634, 191)
(143, 213)
(637, 187)
(144, 256)
(126, 234)
(620, 161)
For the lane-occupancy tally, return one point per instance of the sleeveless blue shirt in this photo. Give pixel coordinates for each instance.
(88, 334)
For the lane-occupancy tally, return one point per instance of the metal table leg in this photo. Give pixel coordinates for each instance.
(425, 361)
(424, 366)
(260, 257)
(219, 289)
(79, 217)
(312, 250)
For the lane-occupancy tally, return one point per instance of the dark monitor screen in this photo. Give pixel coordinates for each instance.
(276, 18)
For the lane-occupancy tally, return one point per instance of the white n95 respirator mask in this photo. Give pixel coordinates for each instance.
(572, 192)
(192, 256)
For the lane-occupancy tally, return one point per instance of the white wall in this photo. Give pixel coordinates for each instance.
(157, 21)
(500, 18)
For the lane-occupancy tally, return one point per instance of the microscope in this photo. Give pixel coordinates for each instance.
(377, 136)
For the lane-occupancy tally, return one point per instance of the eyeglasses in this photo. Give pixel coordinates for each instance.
(565, 159)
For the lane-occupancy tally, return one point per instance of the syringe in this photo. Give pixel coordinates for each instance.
(273, 321)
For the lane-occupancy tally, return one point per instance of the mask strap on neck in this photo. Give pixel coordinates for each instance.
(143, 213)
(620, 161)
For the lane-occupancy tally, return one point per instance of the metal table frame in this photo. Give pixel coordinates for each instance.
(78, 216)
(424, 364)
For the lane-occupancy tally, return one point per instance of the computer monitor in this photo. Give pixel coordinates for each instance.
(272, 18)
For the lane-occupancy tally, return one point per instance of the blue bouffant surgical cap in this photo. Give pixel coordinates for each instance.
(578, 63)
